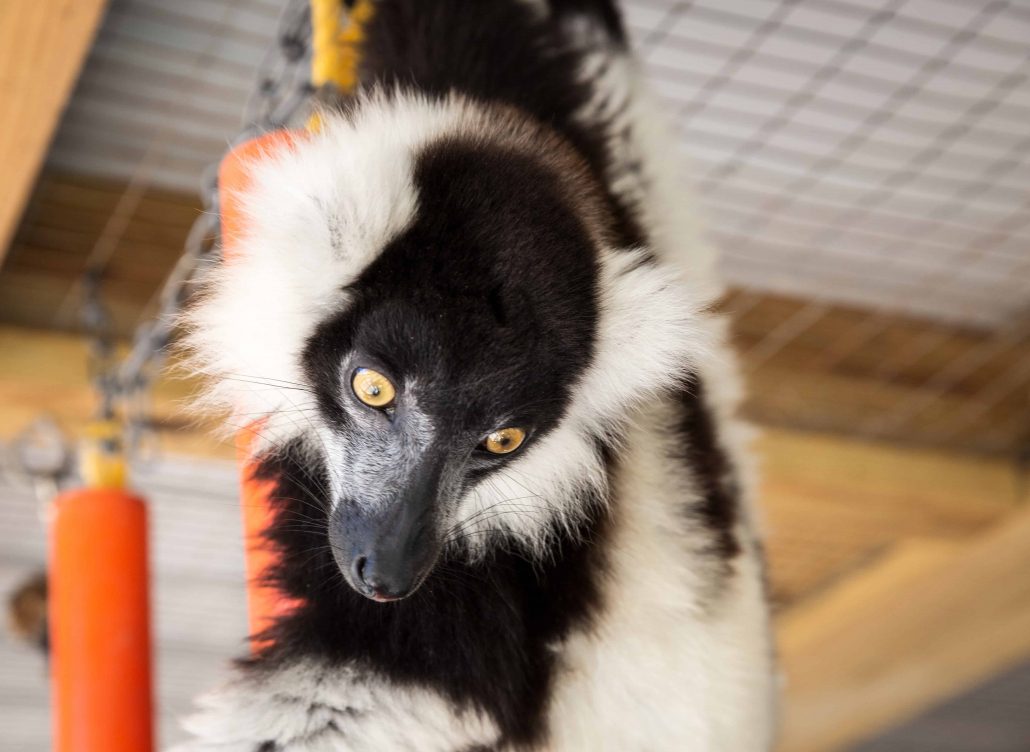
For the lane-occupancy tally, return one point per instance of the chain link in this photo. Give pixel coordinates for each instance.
(281, 98)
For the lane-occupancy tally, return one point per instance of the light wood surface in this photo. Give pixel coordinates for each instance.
(45, 373)
(833, 506)
(839, 375)
(925, 623)
(42, 47)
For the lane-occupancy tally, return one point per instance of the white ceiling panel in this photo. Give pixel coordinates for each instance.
(839, 132)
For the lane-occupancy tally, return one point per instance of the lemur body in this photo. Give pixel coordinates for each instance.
(492, 231)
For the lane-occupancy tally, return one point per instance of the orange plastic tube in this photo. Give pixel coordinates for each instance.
(100, 623)
(263, 603)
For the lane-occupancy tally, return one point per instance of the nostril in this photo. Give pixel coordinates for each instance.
(367, 577)
(358, 569)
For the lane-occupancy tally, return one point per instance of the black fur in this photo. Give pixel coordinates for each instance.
(711, 469)
(490, 296)
(495, 51)
(503, 266)
(479, 633)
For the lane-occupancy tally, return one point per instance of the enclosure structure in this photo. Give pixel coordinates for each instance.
(863, 166)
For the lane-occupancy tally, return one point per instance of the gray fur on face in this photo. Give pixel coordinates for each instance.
(370, 460)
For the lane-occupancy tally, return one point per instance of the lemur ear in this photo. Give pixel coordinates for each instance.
(649, 333)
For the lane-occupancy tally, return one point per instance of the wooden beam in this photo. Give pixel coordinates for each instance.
(45, 373)
(833, 505)
(927, 622)
(43, 44)
(825, 379)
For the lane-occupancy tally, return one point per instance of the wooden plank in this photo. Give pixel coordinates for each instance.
(45, 373)
(833, 505)
(833, 342)
(854, 340)
(60, 229)
(99, 194)
(32, 298)
(805, 385)
(787, 394)
(926, 623)
(42, 47)
(901, 566)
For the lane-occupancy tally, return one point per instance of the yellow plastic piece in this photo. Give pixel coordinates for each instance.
(336, 49)
(102, 460)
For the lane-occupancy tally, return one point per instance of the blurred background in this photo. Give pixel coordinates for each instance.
(864, 166)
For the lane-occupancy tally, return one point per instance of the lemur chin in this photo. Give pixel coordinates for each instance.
(473, 322)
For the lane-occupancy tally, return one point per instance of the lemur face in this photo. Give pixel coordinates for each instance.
(456, 356)
(429, 301)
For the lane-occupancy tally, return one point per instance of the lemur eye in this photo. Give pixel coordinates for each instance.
(504, 440)
(372, 388)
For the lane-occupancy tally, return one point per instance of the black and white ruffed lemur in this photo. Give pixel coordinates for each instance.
(513, 498)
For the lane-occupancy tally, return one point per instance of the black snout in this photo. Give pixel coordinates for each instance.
(382, 583)
(385, 553)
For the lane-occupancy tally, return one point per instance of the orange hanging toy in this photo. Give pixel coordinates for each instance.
(99, 610)
(335, 61)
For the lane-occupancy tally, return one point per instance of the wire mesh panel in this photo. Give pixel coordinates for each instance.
(864, 152)
(863, 164)
(865, 167)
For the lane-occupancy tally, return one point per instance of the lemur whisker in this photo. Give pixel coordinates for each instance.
(271, 379)
(266, 385)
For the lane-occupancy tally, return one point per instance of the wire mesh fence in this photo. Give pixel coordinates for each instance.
(863, 164)
(870, 161)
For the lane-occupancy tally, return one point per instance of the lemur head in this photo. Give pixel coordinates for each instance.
(429, 298)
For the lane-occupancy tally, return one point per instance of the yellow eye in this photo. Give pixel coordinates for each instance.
(504, 440)
(372, 388)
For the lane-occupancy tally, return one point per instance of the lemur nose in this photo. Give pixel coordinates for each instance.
(375, 584)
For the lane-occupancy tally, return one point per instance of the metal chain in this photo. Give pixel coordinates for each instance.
(101, 365)
(281, 98)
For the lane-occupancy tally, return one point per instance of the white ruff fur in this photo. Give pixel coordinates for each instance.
(671, 663)
(317, 215)
(663, 669)
(310, 708)
(650, 334)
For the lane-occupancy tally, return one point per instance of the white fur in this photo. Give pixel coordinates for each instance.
(317, 214)
(670, 665)
(649, 338)
(310, 708)
(657, 190)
